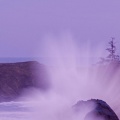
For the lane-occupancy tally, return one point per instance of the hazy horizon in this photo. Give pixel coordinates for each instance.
(25, 24)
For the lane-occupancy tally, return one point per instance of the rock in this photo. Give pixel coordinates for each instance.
(15, 77)
(100, 110)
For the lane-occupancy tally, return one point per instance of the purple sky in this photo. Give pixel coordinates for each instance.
(23, 23)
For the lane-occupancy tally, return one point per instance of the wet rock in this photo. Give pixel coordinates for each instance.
(97, 110)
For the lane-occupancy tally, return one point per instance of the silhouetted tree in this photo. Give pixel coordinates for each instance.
(112, 51)
(112, 57)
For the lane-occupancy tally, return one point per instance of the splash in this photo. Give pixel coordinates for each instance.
(73, 78)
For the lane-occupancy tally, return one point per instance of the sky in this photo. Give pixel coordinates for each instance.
(25, 23)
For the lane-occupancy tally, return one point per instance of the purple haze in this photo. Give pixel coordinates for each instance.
(24, 23)
(63, 31)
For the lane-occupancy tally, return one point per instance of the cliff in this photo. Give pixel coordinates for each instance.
(15, 77)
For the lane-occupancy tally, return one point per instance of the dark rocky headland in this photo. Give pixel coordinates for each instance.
(16, 77)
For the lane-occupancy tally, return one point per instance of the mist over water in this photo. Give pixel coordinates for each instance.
(72, 78)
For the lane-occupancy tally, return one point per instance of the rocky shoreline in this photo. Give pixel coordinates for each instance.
(15, 77)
